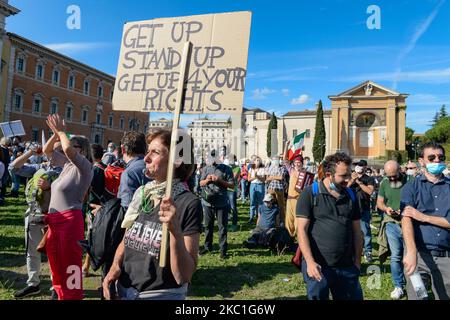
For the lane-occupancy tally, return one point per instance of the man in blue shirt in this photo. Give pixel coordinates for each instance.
(425, 209)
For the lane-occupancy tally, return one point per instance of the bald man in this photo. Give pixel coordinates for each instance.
(388, 201)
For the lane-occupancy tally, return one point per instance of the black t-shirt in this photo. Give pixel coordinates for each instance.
(214, 194)
(331, 226)
(140, 268)
(363, 198)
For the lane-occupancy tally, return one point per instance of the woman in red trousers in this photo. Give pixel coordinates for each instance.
(65, 218)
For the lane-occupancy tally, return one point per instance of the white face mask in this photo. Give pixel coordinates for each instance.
(410, 172)
(226, 162)
(110, 149)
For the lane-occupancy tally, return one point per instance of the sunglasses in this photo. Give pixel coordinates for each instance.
(411, 168)
(433, 156)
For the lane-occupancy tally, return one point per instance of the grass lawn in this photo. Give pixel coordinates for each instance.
(247, 274)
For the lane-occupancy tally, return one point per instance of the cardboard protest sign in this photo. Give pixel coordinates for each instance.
(150, 58)
(12, 129)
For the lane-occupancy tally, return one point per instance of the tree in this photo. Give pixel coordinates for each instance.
(443, 112)
(409, 135)
(435, 119)
(440, 131)
(273, 124)
(319, 136)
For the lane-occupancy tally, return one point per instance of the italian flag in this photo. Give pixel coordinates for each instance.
(296, 146)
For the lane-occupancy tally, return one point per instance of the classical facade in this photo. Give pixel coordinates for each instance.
(210, 134)
(6, 10)
(42, 81)
(161, 123)
(368, 120)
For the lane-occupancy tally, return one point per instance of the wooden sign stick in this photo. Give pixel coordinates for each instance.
(173, 144)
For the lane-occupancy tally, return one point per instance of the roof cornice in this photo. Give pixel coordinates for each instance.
(41, 50)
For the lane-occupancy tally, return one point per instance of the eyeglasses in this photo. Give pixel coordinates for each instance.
(433, 156)
(411, 168)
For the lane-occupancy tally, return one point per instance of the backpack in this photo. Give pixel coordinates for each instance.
(106, 233)
(315, 192)
(113, 172)
(33, 194)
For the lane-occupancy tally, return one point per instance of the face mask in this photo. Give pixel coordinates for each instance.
(276, 163)
(335, 186)
(226, 162)
(110, 149)
(436, 168)
(358, 169)
(410, 172)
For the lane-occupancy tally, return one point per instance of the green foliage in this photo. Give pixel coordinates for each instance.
(443, 112)
(440, 132)
(273, 124)
(399, 156)
(319, 136)
(409, 135)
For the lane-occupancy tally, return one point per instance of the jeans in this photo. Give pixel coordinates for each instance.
(395, 240)
(243, 189)
(232, 201)
(256, 198)
(342, 282)
(15, 179)
(222, 221)
(366, 216)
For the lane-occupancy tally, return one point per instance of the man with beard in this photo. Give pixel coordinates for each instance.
(329, 234)
(388, 201)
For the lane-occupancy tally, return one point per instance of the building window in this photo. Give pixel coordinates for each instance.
(84, 116)
(71, 82)
(21, 64)
(100, 91)
(294, 133)
(112, 94)
(110, 121)
(308, 133)
(86, 87)
(39, 71)
(122, 123)
(69, 112)
(37, 104)
(53, 106)
(18, 100)
(34, 134)
(55, 78)
(98, 118)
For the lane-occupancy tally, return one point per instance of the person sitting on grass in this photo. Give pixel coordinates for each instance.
(268, 220)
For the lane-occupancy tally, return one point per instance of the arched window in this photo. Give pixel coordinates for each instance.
(40, 69)
(122, 122)
(86, 86)
(56, 76)
(365, 120)
(111, 120)
(98, 118)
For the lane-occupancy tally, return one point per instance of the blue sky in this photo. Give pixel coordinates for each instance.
(300, 51)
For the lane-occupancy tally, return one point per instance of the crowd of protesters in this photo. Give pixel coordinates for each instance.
(324, 210)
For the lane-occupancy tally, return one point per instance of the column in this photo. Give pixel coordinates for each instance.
(401, 116)
(334, 132)
(344, 128)
(391, 127)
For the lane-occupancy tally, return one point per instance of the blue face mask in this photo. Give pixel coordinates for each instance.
(436, 168)
(333, 187)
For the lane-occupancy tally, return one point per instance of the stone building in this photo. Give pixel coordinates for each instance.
(42, 81)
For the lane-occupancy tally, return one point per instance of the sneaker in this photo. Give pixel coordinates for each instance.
(27, 291)
(397, 294)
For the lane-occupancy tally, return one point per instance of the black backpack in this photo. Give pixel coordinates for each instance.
(106, 233)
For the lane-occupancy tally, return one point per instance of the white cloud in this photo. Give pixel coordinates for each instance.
(260, 94)
(423, 76)
(285, 92)
(421, 29)
(302, 99)
(76, 47)
(426, 99)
